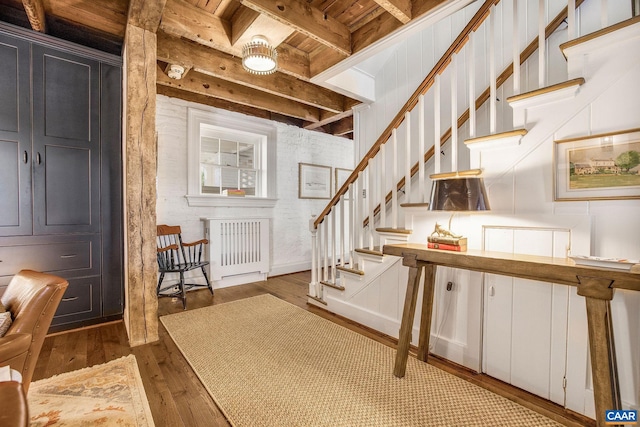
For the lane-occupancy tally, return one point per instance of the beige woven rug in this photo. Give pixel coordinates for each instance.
(269, 363)
(107, 395)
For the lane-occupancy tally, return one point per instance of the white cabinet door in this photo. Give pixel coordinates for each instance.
(525, 320)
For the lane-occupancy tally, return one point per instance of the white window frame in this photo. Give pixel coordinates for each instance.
(240, 125)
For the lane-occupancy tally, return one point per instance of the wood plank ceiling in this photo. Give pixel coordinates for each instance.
(206, 38)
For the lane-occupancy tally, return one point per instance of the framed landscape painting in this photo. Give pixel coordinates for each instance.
(598, 167)
(314, 181)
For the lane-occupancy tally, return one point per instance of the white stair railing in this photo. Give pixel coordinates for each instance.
(362, 203)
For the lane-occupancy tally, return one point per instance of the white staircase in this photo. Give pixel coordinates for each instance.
(516, 114)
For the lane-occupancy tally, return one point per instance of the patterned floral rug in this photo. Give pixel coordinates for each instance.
(104, 395)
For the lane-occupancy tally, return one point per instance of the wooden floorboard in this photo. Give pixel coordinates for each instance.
(176, 396)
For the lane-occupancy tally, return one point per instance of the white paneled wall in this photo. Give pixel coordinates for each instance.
(520, 183)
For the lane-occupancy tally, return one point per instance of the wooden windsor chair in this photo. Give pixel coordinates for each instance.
(176, 256)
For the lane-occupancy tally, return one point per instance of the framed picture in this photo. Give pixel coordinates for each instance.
(314, 181)
(340, 178)
(598, 167)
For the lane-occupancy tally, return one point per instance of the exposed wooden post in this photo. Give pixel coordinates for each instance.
(35, 14)
(140, 47)
(141, 308)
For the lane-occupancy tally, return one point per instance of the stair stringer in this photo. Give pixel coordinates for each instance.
(602, 71)
(375, 299)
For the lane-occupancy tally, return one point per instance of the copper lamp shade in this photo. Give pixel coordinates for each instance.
(459, 193)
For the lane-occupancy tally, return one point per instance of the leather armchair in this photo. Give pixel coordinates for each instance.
(32, 298)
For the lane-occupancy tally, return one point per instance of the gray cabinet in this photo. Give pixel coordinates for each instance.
(15, 137)
(61, 171)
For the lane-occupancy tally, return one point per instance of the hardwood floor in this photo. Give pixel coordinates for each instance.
(176, 396)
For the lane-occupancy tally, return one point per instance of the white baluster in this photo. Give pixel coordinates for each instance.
(360, 208)
(352, 215)
(421, 148)
(342, 231)
(383, 185)
(407, 158)
(334, 242)
(394, 181)
(542, 45)
(571, 19)
(492, 72)
(454, 112)
(436, 129)
(516, 48)
(325, 244)
(370, 198)
(604, 15)
(471, 77)
(320, 252)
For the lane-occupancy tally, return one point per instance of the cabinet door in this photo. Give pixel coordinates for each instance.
(66, 142)
(15, 138)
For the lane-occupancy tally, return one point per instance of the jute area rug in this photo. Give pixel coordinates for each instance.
(107, 395)
(269, 363)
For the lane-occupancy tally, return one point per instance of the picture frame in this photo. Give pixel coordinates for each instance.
(314, 181)
(598, 167)
(341, 176)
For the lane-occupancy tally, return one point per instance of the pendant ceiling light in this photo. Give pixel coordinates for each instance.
(258, 57)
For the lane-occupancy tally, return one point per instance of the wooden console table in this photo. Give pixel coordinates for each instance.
(593, 283)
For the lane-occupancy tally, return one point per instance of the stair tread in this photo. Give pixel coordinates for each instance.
(377, 250)
(320, 300)
(394, 230)
(596, 34)
(332, 285)
(548, 89)
(414, 205)
(508, 134)
(351, 270)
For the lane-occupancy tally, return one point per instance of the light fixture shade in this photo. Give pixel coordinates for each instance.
(258, 57)
(460, 193)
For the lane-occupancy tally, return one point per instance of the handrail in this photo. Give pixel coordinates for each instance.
(426, 84)
(484, 96)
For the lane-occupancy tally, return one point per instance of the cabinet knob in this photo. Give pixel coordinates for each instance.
(39, 158)
(492, 291)
(25, 157)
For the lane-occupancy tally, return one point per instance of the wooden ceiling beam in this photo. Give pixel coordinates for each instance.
(400, 9)
(342, 127)
(226, 67)
(173, 92)
(35, 14)
(185, 20)
(327, 118)
(197, 98)
(241, 23)
(182, 19)
(222, 89)
(373, 31)
(306, 19)
(146, 14)
(109, 17)
(247, 23)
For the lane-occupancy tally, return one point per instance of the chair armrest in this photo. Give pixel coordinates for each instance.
(173, 247)
(12, 346)
(201, 241)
